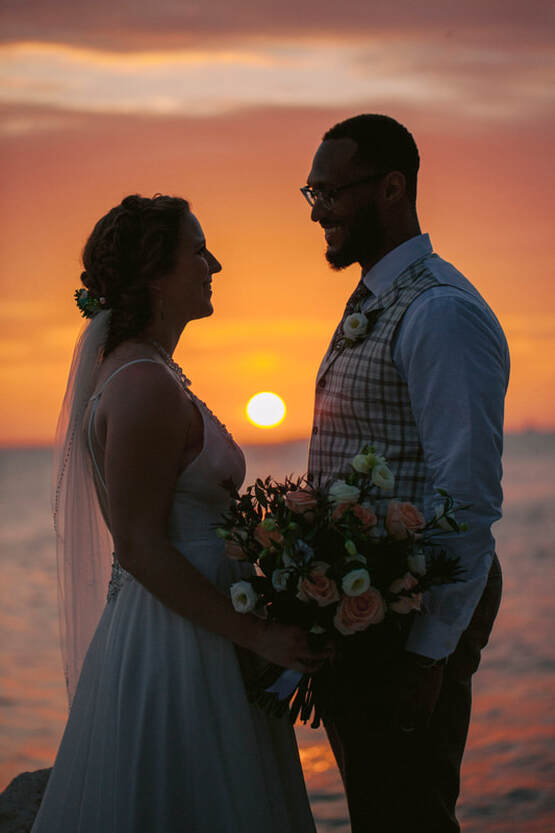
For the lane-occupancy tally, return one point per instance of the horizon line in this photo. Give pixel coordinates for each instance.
(39, 445)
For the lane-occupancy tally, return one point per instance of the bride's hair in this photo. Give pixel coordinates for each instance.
(129, 248)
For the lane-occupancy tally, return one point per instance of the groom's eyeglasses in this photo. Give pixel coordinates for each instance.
(327, 196)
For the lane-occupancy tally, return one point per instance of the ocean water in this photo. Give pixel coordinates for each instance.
(508, 772)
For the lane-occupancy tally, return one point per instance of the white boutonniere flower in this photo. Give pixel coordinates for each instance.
(355, 326)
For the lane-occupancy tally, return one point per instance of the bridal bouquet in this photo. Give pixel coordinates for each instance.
(325, 562)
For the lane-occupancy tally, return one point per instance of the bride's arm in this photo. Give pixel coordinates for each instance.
(148, 422)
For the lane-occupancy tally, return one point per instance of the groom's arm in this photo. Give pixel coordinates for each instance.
(453, 355)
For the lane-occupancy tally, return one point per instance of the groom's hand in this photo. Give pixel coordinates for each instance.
(420, 683)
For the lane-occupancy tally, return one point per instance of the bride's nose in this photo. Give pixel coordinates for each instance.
(214, 264)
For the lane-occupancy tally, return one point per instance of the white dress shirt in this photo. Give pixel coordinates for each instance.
(452, 353)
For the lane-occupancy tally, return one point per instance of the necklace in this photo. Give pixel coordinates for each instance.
(171, 364)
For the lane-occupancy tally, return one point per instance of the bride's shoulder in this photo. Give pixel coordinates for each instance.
(139, 385)
(141, 406)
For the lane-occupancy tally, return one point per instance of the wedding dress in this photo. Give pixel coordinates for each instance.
(161, 737)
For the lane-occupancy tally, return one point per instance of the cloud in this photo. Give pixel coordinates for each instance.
(464, 80)
(487, 61)
(142, 24)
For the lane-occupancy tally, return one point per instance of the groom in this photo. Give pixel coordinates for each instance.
(426, 386)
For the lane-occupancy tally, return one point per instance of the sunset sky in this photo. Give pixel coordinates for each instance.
(225, 103)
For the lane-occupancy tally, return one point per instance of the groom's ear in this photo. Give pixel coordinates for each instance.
(394, 187)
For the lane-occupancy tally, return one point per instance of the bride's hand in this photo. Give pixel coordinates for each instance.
(287, 646)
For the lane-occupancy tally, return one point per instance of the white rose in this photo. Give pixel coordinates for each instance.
(417, 563)
(375, 459)
(382, 477)
(442, 522)
(355, 326)
(341, 492)
(361, 463)
(243, 596)
(356, 582)
(279, 580)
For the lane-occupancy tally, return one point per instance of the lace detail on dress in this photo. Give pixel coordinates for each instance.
(228, 436)
(118, 578)
(185, 383)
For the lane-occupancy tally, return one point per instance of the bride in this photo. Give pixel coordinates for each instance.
(160, 737)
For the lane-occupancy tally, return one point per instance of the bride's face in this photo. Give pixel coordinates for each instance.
(187, 290)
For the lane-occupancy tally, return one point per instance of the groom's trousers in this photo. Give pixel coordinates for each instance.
(399, 781)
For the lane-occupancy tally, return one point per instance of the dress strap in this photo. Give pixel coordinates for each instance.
(94, 399)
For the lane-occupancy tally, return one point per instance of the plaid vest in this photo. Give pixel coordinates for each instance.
(361, 398)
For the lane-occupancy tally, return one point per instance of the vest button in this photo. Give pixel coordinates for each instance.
(322, 383)
(315, 429)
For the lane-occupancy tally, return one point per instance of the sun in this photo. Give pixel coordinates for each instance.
(265, 409)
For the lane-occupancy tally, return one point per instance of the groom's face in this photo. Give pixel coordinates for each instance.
(352, 223)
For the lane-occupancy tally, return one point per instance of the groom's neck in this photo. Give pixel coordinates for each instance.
(393, 236)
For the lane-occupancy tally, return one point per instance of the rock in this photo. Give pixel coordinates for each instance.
(19, 803)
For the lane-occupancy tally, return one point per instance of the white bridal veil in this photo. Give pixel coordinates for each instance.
(83, 542)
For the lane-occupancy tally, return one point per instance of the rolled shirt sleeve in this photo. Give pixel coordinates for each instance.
(452, 353)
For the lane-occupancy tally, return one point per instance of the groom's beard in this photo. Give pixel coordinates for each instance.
(363, 239)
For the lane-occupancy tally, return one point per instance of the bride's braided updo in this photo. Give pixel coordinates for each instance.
(129, 248)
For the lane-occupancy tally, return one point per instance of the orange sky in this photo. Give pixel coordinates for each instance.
(486, 198)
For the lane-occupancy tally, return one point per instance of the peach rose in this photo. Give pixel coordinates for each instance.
(405, 604)
(300, 500)
(267, 537)
(340, 510)
(234, 550)
(318, 586)
(356, 613)
(365, 515)
(403, 518)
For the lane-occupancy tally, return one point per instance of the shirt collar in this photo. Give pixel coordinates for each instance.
(379, 278)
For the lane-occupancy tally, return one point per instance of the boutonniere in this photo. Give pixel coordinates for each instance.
(356, 327)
